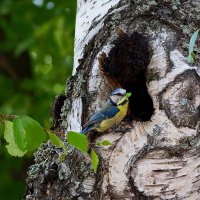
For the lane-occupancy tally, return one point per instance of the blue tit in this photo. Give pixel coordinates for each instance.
(111, 114)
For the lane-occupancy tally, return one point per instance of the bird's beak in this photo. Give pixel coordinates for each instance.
(124, 98)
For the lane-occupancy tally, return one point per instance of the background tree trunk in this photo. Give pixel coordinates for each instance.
(155, 158)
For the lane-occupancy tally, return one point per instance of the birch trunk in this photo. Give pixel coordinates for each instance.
(158, 158)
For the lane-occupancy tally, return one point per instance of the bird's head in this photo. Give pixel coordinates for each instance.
(119, 96)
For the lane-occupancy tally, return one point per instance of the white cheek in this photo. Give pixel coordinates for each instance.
(116, 99)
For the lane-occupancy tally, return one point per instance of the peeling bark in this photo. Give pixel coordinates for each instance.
(154, 159)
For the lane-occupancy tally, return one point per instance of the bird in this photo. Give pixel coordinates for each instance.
(111, 114)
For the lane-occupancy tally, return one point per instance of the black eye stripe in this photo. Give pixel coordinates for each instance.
(119, 94)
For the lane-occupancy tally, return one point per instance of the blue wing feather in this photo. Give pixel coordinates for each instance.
(102, 114)
(107, 112)
(85, 130)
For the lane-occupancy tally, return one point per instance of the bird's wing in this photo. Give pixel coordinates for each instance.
(107, 112)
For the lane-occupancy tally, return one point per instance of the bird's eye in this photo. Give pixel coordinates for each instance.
(119, 94)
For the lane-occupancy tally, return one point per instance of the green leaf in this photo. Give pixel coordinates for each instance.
(193, 39)
(103, 143)
(33, 131)
(106, 143)
(19, 134)
(9, 137)
(98, 144)
(191, 57)
(95, 160)
(78, 140)
(57, 141)
(62, 156)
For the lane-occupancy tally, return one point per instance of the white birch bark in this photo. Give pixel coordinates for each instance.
(157, 159)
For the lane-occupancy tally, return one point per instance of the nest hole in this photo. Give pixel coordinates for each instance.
(126, 66)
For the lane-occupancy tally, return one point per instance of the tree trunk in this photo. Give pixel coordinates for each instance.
(156, 153)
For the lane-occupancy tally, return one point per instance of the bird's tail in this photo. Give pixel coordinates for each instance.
(86, 129)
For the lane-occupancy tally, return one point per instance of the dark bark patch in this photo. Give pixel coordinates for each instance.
(185, 144)
(125, 66)
(56, 110)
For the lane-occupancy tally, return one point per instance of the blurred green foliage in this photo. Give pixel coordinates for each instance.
(36, 57)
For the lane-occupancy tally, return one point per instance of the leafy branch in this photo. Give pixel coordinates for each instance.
(23, 134)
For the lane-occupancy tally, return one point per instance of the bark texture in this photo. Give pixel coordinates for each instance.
(155, 158)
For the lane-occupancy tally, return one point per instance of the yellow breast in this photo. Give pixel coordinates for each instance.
(110, 123)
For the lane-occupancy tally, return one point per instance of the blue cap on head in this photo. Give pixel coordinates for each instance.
(118, 91)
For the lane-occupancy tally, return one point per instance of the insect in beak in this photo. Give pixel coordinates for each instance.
(124, 98)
